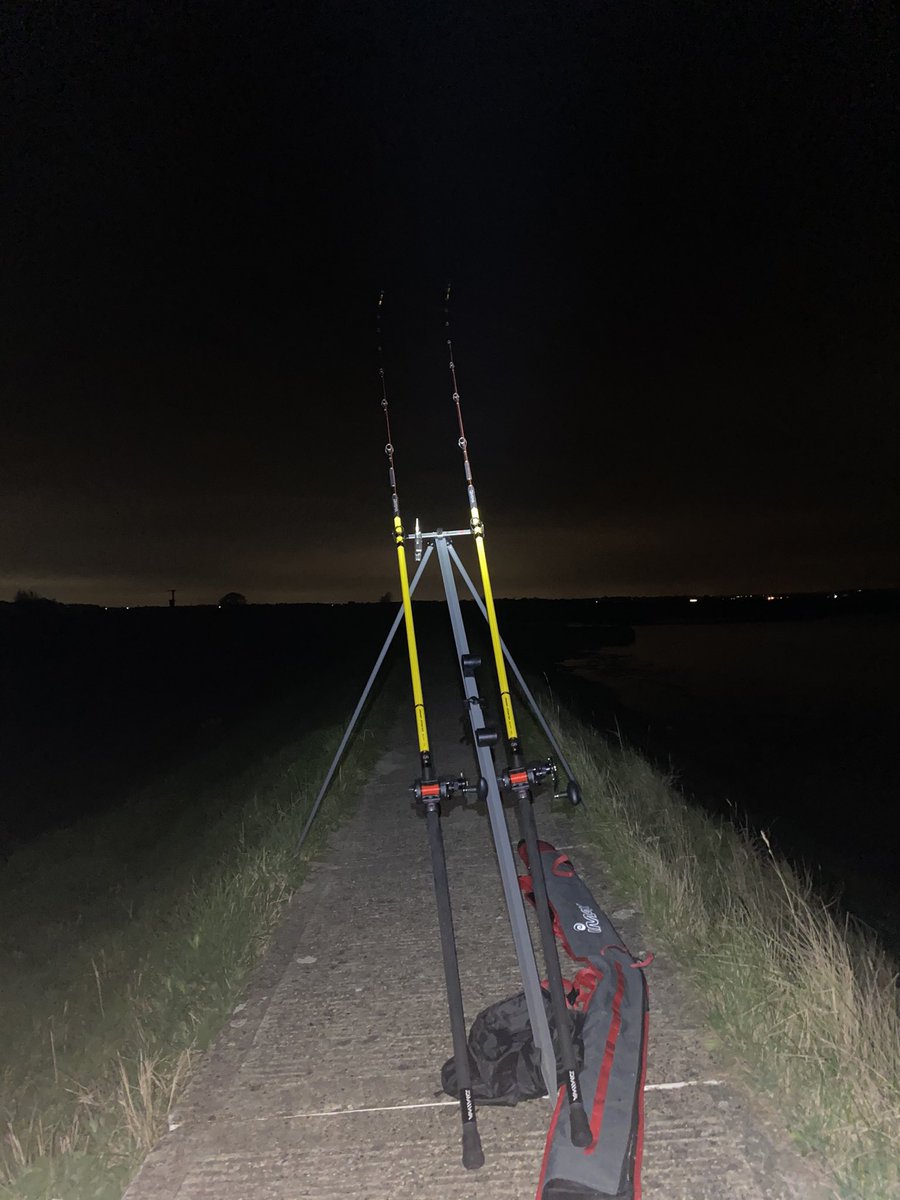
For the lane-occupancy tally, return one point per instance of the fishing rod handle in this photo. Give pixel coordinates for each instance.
(473, 1157)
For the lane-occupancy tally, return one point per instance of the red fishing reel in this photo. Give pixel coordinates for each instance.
(433, 791)
(534, 775)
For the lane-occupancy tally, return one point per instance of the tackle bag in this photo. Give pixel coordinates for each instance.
(611, 989)
(504, 1062)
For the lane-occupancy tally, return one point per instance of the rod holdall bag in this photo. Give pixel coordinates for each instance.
(612, 989)
(504, 1062)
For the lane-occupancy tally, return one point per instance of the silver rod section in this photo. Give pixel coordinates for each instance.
(508, 874)
(362, 701)
(526, 691)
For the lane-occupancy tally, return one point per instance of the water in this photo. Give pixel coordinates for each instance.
(789, 726)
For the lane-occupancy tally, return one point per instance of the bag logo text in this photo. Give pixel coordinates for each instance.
(591, 922)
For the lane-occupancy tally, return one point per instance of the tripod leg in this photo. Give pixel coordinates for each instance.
(335, 762)
(579, 1126)
(473, 1156)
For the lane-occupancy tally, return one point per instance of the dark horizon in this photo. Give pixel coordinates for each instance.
(857, 596)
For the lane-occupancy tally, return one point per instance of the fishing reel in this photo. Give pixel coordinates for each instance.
(534, 775)
(433, 791)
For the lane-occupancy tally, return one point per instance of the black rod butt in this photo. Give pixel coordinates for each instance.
(579, 1126)
(573, 791)
(473, 1155)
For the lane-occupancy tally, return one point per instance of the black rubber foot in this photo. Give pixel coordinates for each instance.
(573, 791)
(579, 1126)
(473, 1155)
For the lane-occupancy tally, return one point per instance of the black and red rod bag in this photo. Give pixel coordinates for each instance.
(611, 990)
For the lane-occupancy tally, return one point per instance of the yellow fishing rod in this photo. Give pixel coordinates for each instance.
(429, 791)
(400, 543)
(518, 778)
(477, 526)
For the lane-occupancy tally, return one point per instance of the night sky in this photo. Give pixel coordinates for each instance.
(671, 231)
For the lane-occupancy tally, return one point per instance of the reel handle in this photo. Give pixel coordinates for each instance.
(572, 793)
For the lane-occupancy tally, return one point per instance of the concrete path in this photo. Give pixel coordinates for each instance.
(326, 1082)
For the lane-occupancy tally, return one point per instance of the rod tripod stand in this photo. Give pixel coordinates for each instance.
(430, 790)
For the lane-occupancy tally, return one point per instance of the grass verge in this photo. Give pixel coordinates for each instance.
(127, 940)
(807, 1000)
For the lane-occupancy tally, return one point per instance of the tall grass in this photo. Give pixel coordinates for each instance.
(127, 940)
(807, 999)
